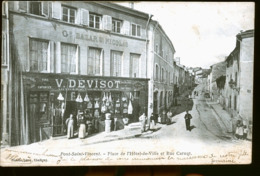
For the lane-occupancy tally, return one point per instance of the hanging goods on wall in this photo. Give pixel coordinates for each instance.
(89, 105)
(79, 99)
(131, 97)
(96, 104)
(104, 97)
(96, 113)
(103, 108)
(86, 98)
(110, 98)
(130, 108)
(60, 97)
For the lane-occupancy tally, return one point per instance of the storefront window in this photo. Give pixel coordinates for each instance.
(116, 60)
(68, 58)
(134, 65)
(39, 55)
(94, 61)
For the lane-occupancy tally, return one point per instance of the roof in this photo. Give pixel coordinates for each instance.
(218, 70)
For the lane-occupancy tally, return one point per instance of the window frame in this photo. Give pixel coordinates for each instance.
(136, 31)
(116, 22)
(101, 62)
(76, 56)
(131, 73)
(47, 59)
(94, 22)
(68, 14)
(112, 63)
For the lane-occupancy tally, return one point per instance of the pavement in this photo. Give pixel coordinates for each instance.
(132, 130)
(223, 117)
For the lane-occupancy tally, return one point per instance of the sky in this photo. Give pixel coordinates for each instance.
(203, 33)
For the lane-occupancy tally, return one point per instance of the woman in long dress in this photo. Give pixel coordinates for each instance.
(70, 124)
(82, 127)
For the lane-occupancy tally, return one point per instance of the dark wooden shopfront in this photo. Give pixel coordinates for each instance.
(52, 97)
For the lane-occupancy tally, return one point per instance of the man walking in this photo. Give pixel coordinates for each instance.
(187, 118)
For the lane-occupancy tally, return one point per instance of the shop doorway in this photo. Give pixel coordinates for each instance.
(59, 125)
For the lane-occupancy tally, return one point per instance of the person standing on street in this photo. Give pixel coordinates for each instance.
(70, 127)
(143, 119)
(187, 118)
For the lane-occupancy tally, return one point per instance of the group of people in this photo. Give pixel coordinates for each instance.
(241, 130)
(82, 123)
(167, 120)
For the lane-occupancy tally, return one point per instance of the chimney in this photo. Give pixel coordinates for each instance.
(177, 60)
(131, 5)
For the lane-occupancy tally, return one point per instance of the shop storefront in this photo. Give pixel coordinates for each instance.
(51, 98)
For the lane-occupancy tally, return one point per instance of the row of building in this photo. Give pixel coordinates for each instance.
(61, 57)
(231, 82)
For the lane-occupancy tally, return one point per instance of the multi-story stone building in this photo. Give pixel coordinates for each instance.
(239, 78)
(216, 71)
(62, 57)
(160, 69)
(70, 56)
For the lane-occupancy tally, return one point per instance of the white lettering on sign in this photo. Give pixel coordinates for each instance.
(58, 83)
(93, 38)
(82, 84)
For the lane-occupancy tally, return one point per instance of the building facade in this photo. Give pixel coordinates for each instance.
(66, 57)
(160, 69)
(62, 58)
(239, 79)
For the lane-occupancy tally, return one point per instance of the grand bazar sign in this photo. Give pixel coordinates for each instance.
(95, 39)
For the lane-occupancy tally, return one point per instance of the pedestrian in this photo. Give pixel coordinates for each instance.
(187, 118)
(70, 126)
(239, 129)
(169, 116)
(143, 119)
(82, 126)
(152, 118)
(164, 116)
(245, 131)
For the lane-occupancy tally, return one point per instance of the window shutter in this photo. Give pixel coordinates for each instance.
(107, 22)
(78, 17)
(84, 17)
(56, 10)
(45, 8)
(126, 28)
(23, 6)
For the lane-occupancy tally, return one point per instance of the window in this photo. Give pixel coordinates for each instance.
(4, 50)
(156, 49)
(162, 54)
(162, 77)
(157, 72)
(236, 78)
(94, 61)
(116, 60)
(116, 26)
(94, 21)
(68, 58)
(134, 65)
(136, 30)
(35, 8)
(39, 58)
(68, 14)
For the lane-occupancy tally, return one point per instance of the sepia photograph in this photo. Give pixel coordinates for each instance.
(99, 83)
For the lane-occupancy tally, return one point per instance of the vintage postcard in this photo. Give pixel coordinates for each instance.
(126, 83)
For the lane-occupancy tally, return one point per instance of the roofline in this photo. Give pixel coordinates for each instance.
(160, 27)
(121, 8)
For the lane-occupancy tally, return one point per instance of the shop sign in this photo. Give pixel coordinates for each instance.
(96, 39)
